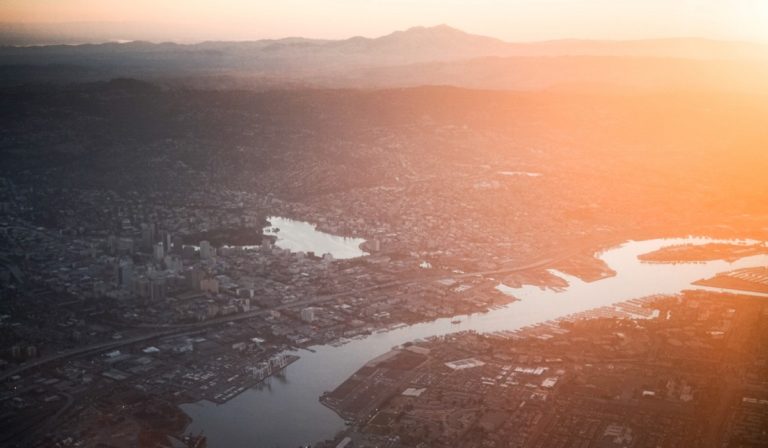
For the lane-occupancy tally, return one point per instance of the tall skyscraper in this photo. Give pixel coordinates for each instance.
(159, 251)
(125, 274)
(167, 241)
(206, 251)
(148, 235)
(157, 289)
(308, 314)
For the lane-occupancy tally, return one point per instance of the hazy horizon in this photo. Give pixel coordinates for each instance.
(95, 36)
(516, 21)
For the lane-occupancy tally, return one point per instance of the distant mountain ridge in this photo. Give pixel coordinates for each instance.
(306, 61)
(427, 44)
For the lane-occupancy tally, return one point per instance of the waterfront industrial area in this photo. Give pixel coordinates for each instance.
(690, 371)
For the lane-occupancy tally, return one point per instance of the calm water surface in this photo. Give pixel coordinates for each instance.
(299, 236)
(285, 412)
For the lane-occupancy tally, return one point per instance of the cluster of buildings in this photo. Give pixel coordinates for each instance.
(689, 374)
(87, 272)
(124, 295)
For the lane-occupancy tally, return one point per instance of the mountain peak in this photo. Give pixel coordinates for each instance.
(441, 30)
(437, 28)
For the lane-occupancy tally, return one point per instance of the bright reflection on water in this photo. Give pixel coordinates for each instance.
(299, 236)
(286, 412)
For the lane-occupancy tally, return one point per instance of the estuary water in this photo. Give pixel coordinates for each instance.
(285, 412)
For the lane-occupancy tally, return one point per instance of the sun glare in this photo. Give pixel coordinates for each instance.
(383, 223)
(514, 20)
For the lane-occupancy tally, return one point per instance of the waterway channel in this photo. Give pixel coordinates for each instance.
(285, 411)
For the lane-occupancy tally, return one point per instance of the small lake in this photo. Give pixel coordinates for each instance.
(285, 412)
(299, 236)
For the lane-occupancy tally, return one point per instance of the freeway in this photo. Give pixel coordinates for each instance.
(171, 330)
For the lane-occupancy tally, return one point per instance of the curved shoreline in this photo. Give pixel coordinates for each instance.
(323, 370)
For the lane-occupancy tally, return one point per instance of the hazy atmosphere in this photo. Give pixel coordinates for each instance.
(384, 224)
(73, 21)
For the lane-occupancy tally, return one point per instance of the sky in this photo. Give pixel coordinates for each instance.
(512, 20)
